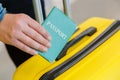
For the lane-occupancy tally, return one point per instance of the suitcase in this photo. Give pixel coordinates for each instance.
(95, 56)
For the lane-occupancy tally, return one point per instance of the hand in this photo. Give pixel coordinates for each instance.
(23, 32)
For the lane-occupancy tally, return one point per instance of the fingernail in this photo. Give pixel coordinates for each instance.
(48, 45)
(49, 38)
(35, 53)
(45, 49)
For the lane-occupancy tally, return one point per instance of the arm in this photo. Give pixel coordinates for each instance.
(23, 32)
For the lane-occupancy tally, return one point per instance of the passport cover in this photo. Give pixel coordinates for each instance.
(60, 27)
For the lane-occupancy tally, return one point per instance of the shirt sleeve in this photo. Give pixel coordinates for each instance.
(2, 11)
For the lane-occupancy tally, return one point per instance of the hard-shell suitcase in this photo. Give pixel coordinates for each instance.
(93, 57)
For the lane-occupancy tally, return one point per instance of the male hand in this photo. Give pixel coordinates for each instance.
(23, 32)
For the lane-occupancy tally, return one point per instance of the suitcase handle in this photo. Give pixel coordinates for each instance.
(88, 32)
(40, 13)
(67, 8)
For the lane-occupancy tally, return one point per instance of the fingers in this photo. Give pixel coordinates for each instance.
(31, 43)
(24, 47)
(36, 26)
(36, 36)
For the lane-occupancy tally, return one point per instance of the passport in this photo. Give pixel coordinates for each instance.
(60, 27)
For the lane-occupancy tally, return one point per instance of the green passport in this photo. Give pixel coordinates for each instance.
(60, 27)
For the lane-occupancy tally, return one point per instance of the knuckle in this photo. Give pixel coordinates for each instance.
(28, 49)
(24, 47)
(28, 41)
(34, 35)
(14, 42)
(22, 15)
(20, 18)
(18, 23)
(44, 41)
(41, 29)
(42, 48)
(13, 34)
(46, 44)
(35, 45)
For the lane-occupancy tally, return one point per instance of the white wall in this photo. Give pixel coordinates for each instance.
(84, 9)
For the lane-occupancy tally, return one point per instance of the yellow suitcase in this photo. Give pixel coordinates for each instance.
(95, 57)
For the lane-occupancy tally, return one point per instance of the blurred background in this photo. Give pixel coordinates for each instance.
(81, 11)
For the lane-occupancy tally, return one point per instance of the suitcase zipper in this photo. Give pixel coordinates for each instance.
(52, 74)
